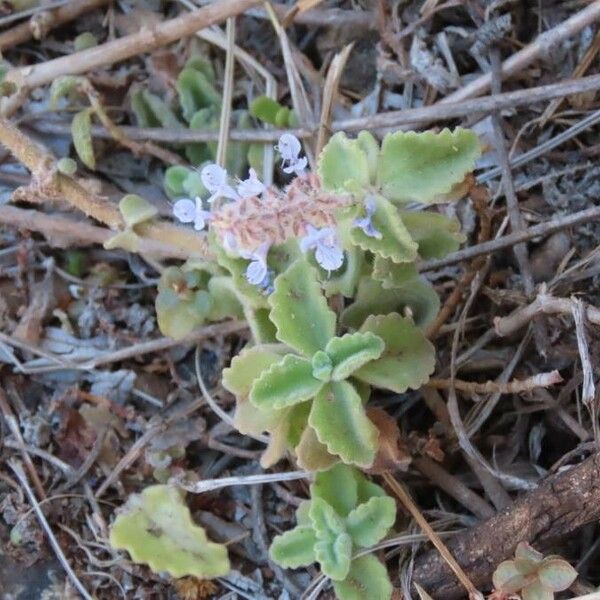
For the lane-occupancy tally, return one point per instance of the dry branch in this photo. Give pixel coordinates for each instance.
(558, 508)
(517, 386)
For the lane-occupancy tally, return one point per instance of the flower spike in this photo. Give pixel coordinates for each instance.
(325, 243)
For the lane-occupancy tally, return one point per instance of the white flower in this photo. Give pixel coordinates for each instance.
(214, 179)
(365, 223)
(324, 241)
(289, 147)
(252, 186)
(189, 211)
(257, 272)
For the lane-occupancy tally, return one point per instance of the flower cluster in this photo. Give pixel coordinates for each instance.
(257, 217)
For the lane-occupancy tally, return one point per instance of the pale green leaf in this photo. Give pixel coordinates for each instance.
(202, 64)
(299, 310)
(435, 234)
(311, 455)
(195, 92)
(423, 166)
(508, 578)
(322, 366)
(173, 180)
(265, 109)
(156, 528)
(152, 111)
(556, 574)
(351, 351)
(325, 521)
(247, 367)
(84, 41)
(64, 86)
(66, 166)
(370, 146)
(295, 548)
(536, 591)
(338, 487)
(135, 209)
(285, 383)
(367, 579)
(340, 421)
(334, 554)
(81, 132)
(408, 359)
(263, 330)
(394, 275)
(343, 164)
(395, 242)
(368, 523)
(226, 303)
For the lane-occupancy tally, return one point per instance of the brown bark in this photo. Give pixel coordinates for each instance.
(561, 505)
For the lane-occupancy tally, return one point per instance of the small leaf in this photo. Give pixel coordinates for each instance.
(322, 366)
(136, 209)
(156, 528)
(325, 521)
(394, 275)
(351, 351)
(507, 577)
(370, 146)
(195, 92)
(282, 117)
(299, 310)
(81, 131)
(333, 554)
(66, 166)
(84, 41)
(311, 454)
(556, 574)
(226, 303)
(367, 578)
(265, 109)
(202, 64)
(421, 166)
(285, 383)
(343, 164)
(64, 86)
(295, 548)
(409, 357)
(435, 234)
(526, 552)
(152, 111)
(339, 418)
(173, 180)
(536, 591)
(369, 523)
(338, 487)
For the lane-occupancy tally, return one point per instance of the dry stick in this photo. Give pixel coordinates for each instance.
(541, 230)
(18, 471)
(145, 40)
(52, 18)
(225, 122)
(516, 386)
(412, 508)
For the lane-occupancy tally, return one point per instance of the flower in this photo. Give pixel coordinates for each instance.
(252, 186)
(289, 147)
(214, 179)
(324, 241)
(257, 272)
(190, 211)
(365, 223)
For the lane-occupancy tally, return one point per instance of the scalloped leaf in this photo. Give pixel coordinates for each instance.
(294, 548)
(311, 455)
(299, 310)
(536, 591)
(338, 487)
(325, 521)
(409, 357)
(370, 146)
(246, 367)
(157, 529)
(135, 209)
(343, 164)
(435, 234)
(369, 523)
(81, 132)
(285, 383)
(351, 351)
(422, 166)
(195, 92)
(372, 298)
(393, 275)
(334, 556)
(340, 421)
(263, 331)
(395, 243)
(367, 578)
(226, 303)
(556, 574)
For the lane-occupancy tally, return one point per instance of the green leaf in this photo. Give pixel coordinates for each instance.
(351, 351)
(294, 548)
(370, 146)
(64, 86)
(156, 528)
(152, 111)
(416, 296)
(368, 523)
(202, 64)
(247, 367)
(66, 166)
(204, 119)
(136, 209)
(285, 383)
(265, 109)
(311, 454)
(367, 578)
(84, 41)
(340, 421)
(343, 164)
(408, 359)
(333, 554)
(322, 366)
(395, 242)
(556, 574)
(282, 117)
(394, 275)
(325, 521)
(263, 331)
(81, 131)
(299, 310)
(536, 591)
(435, 234)
(195, 92)
(507, 577)
(226, 303)
(338, 487)
(173, 180)
(424, 166)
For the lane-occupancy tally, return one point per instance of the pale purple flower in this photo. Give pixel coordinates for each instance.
(325, 243)
(366, 223)
(190, 211)
(252, 186)
(289, 147)
(257, 272)
(214, 179)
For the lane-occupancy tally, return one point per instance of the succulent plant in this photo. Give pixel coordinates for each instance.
(536, 577)
(346, 513)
